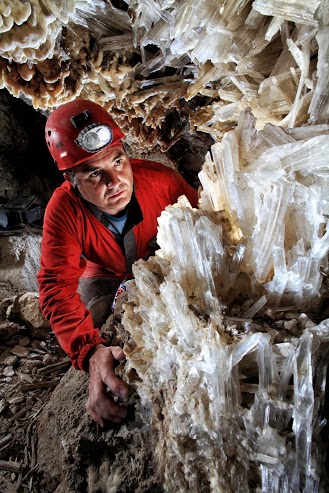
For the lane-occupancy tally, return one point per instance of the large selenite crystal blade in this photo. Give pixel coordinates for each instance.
(303, 413)
(293, 10)
(319, 106)
(196, 252)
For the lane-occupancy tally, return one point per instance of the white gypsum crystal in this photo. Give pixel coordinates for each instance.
(214, 436)
(240, 400)
(280, 198)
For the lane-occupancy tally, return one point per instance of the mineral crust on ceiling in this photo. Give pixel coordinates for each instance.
(171, 64)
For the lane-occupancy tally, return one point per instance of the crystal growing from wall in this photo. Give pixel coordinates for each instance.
(229, 362)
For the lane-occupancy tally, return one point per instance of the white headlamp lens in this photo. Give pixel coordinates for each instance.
(94, 137)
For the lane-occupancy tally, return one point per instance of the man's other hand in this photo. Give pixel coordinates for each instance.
(100, 405)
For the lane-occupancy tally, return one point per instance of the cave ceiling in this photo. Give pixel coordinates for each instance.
(170, 69)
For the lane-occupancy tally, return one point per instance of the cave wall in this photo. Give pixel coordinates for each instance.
(26, 167)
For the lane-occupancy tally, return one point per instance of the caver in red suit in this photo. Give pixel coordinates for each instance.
(77, 244)
(78, 240)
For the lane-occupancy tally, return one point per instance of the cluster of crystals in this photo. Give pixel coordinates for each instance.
(272, 188)
(236, 400)
(158, 55)
(257, 54)
(29, 29)
(224, 409)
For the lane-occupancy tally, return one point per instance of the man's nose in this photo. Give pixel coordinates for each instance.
(111, 178)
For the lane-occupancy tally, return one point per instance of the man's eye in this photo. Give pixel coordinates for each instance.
(94, 174)
(118, 162)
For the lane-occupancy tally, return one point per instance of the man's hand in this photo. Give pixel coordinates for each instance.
(100, 405)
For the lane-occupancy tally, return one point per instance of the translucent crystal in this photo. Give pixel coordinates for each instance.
(293, 10)
(201, 379)
(319, 106)
(255, 307)
(237, 397)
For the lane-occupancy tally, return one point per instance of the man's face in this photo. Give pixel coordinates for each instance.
(107, 180)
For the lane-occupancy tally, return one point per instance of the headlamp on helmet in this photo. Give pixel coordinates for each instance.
(94, 137)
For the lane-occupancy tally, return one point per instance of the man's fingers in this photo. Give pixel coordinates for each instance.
(98, 419)
(111, 414)
(101, 406)
(109, 377)
(116, 385)
(95, 417)
(117, 352)
(104, 408)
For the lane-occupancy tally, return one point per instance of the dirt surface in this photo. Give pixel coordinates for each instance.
(31, 366)
(48, 443)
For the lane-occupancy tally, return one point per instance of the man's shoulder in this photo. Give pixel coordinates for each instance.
(155, 179)
(62, 196)
(64, 190)
(153, 169)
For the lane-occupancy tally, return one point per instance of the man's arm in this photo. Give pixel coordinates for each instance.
(61, 268)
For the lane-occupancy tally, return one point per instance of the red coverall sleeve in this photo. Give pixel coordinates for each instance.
(61, 268)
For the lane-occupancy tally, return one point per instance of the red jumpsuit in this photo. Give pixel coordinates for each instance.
(76, 244)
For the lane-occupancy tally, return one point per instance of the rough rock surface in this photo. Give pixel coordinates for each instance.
(48, 443)
(26, 308)
(20, 259)
(75, 455)
(26, 167)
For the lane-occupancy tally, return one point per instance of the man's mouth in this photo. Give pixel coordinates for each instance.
(115, 194)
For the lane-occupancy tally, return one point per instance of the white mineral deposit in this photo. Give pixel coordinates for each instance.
(240, 399)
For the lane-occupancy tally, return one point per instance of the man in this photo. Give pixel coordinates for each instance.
(97, 224)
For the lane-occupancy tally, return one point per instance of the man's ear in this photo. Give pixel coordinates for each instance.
(70, 176)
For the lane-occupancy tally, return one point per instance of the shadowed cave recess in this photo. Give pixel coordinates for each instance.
(226, 328)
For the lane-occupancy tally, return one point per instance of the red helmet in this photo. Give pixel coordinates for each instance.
(77, 130)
